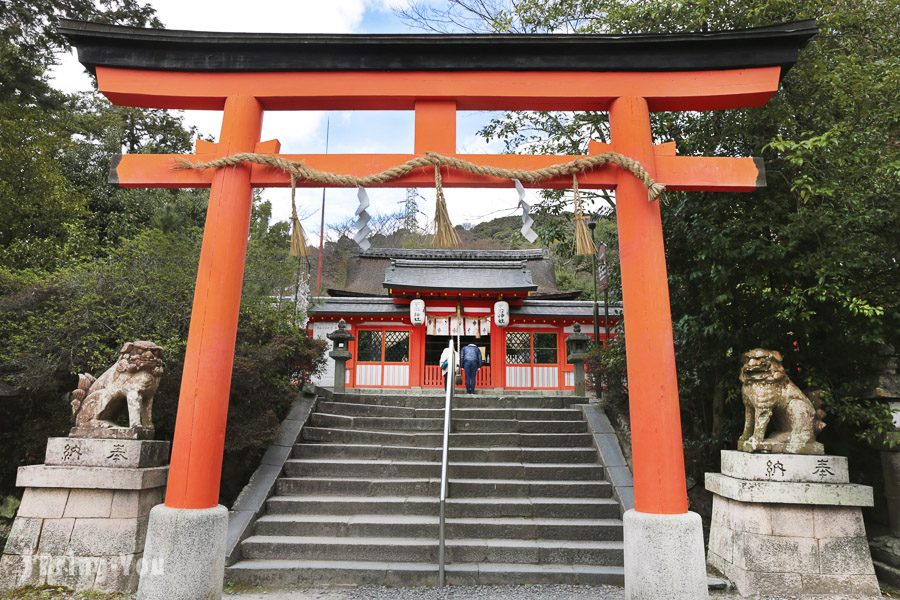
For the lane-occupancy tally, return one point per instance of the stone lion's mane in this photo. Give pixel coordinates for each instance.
(135, 361)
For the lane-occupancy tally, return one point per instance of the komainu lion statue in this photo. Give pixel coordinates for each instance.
(128, 385)
(778, 417)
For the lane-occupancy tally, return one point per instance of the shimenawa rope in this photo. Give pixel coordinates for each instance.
(445, 234)
(302, 171)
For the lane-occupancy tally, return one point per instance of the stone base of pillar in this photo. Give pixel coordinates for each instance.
(83, 517)
(890, 465)
(790, 525)
(886, 548)
(184, 554)
(664, 557)
(886, 558)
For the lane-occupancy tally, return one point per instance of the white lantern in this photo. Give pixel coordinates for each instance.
(501, 313)
(417, 311)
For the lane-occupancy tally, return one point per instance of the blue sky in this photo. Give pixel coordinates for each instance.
(304, 131)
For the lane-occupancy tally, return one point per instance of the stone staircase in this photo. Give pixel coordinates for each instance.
(357, 502)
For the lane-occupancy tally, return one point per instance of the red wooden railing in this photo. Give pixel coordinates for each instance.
(433, 377)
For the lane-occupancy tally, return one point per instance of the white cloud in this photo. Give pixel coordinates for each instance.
(268, 16)
(390, 5)
(304, 131)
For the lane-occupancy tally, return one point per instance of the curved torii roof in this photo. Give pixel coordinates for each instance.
(178, 50)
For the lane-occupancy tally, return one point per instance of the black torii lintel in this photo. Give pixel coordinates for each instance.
(176, 50)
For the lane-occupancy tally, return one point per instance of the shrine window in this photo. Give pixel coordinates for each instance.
(396, 346)
(369, 346)
(531, 348)
(382, 346)
(545, 351)
(518, 348)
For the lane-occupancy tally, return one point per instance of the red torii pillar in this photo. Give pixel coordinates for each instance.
(663, 541)
(199, 441)
(656, 439)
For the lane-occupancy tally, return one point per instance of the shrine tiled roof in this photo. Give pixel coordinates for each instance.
(369, 273)
(462, 275)
(358, 306)
(562, 308)
(381, 307)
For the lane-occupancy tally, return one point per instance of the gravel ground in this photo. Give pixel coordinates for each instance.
(521, 592)
(518, 592)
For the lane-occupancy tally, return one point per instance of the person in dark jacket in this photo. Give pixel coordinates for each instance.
(471, 361)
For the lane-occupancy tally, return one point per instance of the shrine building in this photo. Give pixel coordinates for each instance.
(403, 306)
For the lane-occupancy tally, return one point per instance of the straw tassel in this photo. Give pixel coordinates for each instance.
(445, 235)
(298, 237)
(584, 243)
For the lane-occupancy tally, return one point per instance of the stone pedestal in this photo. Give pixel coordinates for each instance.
(664, 556)
(886, 548)
(83, 516)
(788, 524)
(187, 548)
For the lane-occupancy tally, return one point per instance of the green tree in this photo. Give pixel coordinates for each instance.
(808, 265)
(86, 266)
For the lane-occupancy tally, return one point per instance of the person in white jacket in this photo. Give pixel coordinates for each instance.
(445, 362)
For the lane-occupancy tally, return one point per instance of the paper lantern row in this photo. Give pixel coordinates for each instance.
(458, 326)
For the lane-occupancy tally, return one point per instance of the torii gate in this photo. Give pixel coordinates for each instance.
(245, 75)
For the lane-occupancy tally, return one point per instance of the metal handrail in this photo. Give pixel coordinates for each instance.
(449, 387)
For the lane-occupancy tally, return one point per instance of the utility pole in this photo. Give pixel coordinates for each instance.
(592, 225)
(322, 225)
(604, 284)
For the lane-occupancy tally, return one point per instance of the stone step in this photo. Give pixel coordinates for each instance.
(379, 410)
(459, 488)
(534, 507)
(457, 440)
(319, 467)
(524, 528)
(418, 526)
(419, 549)
(459, 425)
(296, 573)
(337, 486)
(353, 526)
(489, 488)
(357, 502)
(486, 455)
(588, 508)
(325, 547)
(580, 552)
(375, 423)
(462, 400)
(326, 504)
(463, 425)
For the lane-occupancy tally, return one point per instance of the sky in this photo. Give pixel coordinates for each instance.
(304, 131)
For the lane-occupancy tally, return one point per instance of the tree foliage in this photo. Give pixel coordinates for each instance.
(809, 265)
(86, 266)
